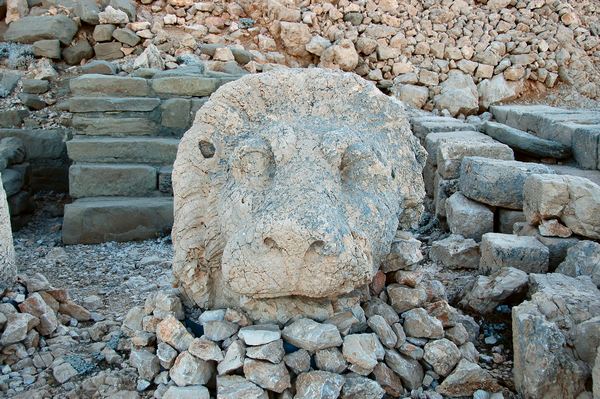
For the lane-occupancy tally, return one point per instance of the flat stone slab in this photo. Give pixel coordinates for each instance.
(525, 142)
(422, 126)
(197, 86)
(434, 140)
(114, 126)
(123, 150)
(95, 220)
(96, 180)
(97, 84)
(47, 27)
(107, 104)
(506, 250)
(585, 144)
(451, 153)
(593, 175)
(497, 182)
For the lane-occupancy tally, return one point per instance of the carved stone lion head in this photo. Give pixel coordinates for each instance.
(292, 182)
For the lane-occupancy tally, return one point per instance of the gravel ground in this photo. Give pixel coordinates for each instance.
(120, 273)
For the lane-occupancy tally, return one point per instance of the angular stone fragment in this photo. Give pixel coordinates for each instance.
(490, 291)
(298, 361)
(388, 380)
(574, 200)
(458, 94)
(17, 327)
(236, 387)
(63, 372)
(189, 370)
(263, 257)
(361, 387)
(583, 259)
(451, 153)
(331, 360)
(404, 298)
(259, 334)
(409, 370)
(376, 306)
(205, 350)
(456, 252)
(311, 335)
(219, 330)
(234, 358)
(189, 392)
(166, 354)
(468, 218)
(146, 363)
(36, 306)
(272, 352)
(507, 250)
(47, 48)
(418, 324)
(466, 379)
(496, 182)
(318, 385)
(405, 252)
(274, 377)
(362, 352)
(171, 331)
(442, 355)
(383, 330)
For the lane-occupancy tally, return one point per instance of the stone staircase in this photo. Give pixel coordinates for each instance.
(126, 134)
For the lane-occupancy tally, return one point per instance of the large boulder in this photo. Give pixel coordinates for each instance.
(46, 27)
(8, 268)
(285, 189)
(552, 341)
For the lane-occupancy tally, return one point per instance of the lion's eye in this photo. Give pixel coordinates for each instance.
(362, 165)
(253, 161)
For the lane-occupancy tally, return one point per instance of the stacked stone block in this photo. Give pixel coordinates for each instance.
(126, 134)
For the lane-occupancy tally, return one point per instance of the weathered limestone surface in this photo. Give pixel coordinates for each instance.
(574, 200)
(8, 268)
(259, 205)
(546, 328)
(34, 28)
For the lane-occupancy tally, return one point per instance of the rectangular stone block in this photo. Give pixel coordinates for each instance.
(422, 126)
(585, 144)
(468, 218)
(557, 247)
(165, 184)
(96, 84)
(196, 86)
(497, 182)
(150, 150)
(40, 143)
(114, 126)
(175, 113)
(95, 220)
(108, 104)
(126, 180)
(451, 153)
(433, 141)
(507, 250)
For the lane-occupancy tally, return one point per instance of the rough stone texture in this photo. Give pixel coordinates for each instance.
(451, 153)
(312, 336)
(572, 199)
(506, 250)
(467, 378)
(487, 292)
(362, 351)
(496, 182)
(442, 355)
(274, 377)
(545, 365)
(357, 387)
(8, 268)
(275, 257)
(418, 324)
(458, 94)
(409, 370)
(191, 392)
(33, 28)
(456, 252)
(319, 385)
(95, 180)
(526, 143)
(583, 259)
(189, 370)
(468, 218)
(236, 387)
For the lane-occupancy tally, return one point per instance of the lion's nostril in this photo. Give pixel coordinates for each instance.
(270, 243)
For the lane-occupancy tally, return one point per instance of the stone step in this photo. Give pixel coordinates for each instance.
(126, 180)
(114, 126)
(110, 104)
(525, 142)
(149, 150)
(95, 220)
(423, 125)
(593, 175)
